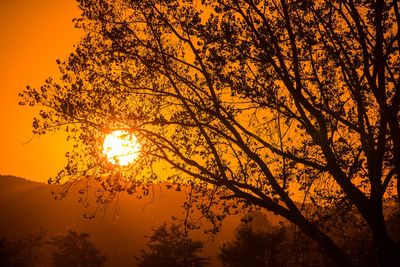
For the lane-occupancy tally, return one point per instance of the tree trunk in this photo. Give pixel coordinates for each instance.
(338, 256)
(388, 252)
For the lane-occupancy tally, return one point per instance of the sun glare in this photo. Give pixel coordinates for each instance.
(121, 147)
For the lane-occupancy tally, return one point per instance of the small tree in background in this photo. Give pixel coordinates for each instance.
(76, 249)
(22, 252)
(258, 243)
(5, 252)
(171, 247)
(252, 248)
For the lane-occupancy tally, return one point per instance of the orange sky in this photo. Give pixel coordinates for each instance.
(33, 35)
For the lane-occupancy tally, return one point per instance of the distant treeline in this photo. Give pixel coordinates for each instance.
(256, 244)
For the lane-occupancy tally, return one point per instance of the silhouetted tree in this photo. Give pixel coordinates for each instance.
(171, 248)
(5, 252)
(271, 103)
(251, 248)
(22, 252)
(76, 249)
(258, 243)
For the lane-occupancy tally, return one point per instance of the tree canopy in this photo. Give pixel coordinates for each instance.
(170, 247)
(76, 249)
(24, 251)
(291, 106)
(252, 248)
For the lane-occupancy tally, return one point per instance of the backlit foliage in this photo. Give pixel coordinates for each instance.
(272, 103)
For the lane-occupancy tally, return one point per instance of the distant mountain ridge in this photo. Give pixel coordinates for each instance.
(13, 185)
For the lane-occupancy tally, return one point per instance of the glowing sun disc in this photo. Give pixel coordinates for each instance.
(121, 147)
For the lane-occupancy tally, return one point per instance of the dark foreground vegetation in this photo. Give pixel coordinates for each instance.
(256, 244)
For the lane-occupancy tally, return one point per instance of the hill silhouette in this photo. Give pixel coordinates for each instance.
(10, 185)
(27, 206)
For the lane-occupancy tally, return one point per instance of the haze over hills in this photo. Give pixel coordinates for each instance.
(27, 206)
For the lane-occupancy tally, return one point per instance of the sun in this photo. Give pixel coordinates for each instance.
(121, 147)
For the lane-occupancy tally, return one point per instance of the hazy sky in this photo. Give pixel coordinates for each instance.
(34, 33)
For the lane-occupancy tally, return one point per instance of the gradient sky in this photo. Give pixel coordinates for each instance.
(33, 35)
